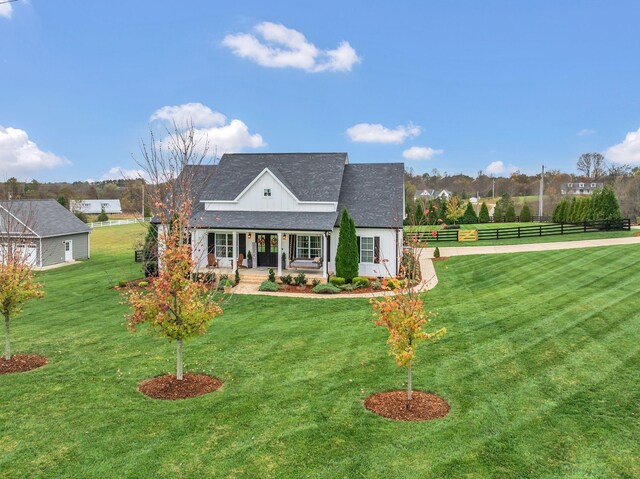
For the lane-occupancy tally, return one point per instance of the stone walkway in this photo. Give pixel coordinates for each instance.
(522, 248)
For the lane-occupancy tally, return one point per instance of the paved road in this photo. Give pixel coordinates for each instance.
(521, 248)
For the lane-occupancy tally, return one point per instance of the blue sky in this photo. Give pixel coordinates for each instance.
(460, 86)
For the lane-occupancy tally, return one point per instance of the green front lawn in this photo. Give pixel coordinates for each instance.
(540, 366)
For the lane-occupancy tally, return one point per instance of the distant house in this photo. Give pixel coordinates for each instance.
(580, 188)
(432, 194)
(44, 230)
(95, 207)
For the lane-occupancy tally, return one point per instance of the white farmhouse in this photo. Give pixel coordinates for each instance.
(95, 206)
(290, 204)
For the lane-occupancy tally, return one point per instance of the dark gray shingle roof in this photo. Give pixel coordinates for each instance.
(263, 220)
(49, 218)
(373, 194)
(309, 176)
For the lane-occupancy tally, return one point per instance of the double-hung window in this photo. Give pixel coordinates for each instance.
(308, 246)
(224, 245)
(366, 249)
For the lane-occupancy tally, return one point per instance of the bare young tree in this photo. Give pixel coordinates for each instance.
(585, 163)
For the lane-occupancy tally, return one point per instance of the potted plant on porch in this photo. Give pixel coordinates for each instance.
(249, 260)
(284, 260)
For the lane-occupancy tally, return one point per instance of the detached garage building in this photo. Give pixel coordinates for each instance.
(50, 234)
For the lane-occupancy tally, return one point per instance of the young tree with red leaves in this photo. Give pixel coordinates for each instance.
(178, 306)
(17, 282)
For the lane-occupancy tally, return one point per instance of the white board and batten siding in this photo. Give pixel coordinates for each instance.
(390, 247)
(279, 199)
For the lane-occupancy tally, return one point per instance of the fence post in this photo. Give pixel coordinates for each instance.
(561, 229)
(518, 232)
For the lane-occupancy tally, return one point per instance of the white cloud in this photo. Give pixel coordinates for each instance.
(211, 126)
(586, 132)
(19, 155)
(197, 113)
(498, 168)
(282, 47)
(627, 152)
(6, 10)
(420, 153)
(117, 173)
(377, 133)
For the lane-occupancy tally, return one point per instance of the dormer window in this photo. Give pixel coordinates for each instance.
(267, 193)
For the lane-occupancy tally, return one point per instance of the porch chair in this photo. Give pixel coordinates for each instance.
(240, 260)
(212, 261)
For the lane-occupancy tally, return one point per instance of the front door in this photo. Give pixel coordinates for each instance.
(267, 249)
(68, 250)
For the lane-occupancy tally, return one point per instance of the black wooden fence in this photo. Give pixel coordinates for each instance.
(522, 231)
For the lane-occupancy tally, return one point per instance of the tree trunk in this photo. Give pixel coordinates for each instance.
(179, 368)
(409, 388)
(7, 342)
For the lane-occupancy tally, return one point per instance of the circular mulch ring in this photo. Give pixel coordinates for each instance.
(441, 258)
(20, 363)
(170, 388)
(393, 405)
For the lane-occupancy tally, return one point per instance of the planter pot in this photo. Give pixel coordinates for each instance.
(250, 263)
(284, 264)
(227, 289)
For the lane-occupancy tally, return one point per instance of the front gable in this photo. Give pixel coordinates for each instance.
(267, 192)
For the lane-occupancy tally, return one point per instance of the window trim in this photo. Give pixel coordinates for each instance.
(372, 249)
(266, 193)
(228, 244)
(309, 249)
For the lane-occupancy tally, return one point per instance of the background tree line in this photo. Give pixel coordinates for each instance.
(129, 192)
(624, 180)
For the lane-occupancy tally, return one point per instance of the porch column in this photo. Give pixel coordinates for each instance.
(234, 252)
(325, 255)
(279, 253)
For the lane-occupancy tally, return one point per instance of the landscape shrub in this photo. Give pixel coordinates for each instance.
(436, 252)
(360, 282)
(222, 282)
(483, 217)
(525, 214)
(347, 256)
(325, 288)
(377, 285)
(102, 216)
(315, 282)
(470, 215)
(123, 283)
(348, 287)
(143, 284)
(269, 286)
(81, 216)
(272, 275)
(229, 283)
(393, 283)
(301, 279)
(337, 281)
(237, 277)
(288, 279)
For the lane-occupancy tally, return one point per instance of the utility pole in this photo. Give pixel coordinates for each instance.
(541, 194)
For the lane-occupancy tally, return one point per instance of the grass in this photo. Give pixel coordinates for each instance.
(539, 365)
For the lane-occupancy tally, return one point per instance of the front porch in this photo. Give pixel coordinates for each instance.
(253, 253)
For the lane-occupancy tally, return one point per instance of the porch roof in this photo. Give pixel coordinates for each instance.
(263, 220)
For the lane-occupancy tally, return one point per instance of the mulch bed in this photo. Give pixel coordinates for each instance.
(20, 363)
(393, 405)
(637, 233)
(170, 388)
(292, 288)
(441, 258)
